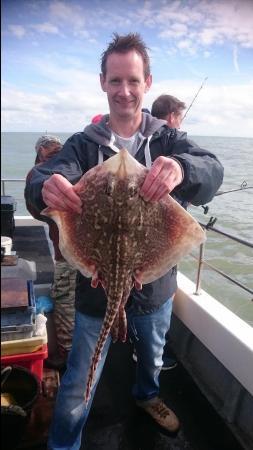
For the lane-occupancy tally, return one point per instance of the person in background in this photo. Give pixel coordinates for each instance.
(46, 147)
(171, 109)
(63, 287)
(180, 167)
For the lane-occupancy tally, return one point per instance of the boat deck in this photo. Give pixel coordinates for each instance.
(115, 423)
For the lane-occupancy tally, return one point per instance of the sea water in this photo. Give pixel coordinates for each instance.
(233, 212)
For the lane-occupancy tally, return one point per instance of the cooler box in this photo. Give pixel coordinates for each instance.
(28, 345)
(8, 206)
(18, 310)
(32, 361)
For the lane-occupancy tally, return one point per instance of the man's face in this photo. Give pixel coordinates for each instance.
(125, 84)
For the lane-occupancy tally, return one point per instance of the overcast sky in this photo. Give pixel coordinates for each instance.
(51, 60)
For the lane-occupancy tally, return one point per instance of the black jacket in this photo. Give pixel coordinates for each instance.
(203, 175)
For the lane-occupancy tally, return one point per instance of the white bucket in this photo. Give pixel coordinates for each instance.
(6, 242)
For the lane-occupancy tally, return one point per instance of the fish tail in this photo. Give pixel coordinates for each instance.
(105, 331)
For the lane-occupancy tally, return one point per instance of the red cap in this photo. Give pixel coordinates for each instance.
(97, 119)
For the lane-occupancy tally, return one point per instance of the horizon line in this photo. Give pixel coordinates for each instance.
(80, 131)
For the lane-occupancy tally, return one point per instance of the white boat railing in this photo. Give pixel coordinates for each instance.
(4, 181)
(201, 261)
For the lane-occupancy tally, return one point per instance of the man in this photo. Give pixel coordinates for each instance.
(63, 287)
(182, 168)
(46, 147)
(170, 109)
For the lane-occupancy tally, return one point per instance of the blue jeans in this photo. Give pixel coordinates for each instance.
(70, 414)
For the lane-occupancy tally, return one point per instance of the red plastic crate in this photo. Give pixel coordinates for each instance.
(32, 361)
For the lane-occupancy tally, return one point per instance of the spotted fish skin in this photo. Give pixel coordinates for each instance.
(121, 241)
(116, 254)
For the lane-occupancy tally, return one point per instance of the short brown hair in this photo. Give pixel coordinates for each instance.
(166, 104)
(124, 44)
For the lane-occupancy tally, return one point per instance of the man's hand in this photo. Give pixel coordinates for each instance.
(164, 175)
(59, 193)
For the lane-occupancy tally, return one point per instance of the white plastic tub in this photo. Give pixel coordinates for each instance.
(6, 242)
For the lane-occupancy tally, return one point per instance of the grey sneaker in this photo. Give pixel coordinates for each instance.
(163, 415)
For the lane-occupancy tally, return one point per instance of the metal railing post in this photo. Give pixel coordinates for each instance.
(3, 187)
(200, 265)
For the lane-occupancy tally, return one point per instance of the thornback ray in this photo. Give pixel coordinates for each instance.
(120, 240)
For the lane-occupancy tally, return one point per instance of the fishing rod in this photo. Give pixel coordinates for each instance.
(194, 98)
(243, 187)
